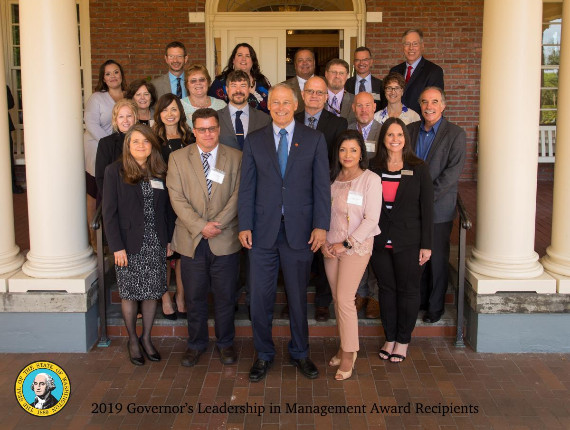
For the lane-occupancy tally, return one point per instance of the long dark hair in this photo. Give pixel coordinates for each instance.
(102, 85)
(155, 166)
(380, 161)
(344, 136)
(255, 69)
(160, 129)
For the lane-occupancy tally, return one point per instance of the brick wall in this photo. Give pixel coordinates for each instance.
(135, 33)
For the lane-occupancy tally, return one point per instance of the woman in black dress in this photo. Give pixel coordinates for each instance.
(173, 133)
(139, 227)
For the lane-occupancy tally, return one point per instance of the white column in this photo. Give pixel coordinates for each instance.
(54, 134)
(557, 259)
(508, 155)
(10, 257)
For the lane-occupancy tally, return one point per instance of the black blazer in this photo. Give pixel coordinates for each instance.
(410, 222)
(330, 125)
(123, 215)
(109, 150)
(427, 74)
(377, 90)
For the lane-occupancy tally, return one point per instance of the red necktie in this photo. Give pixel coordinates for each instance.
(408, 74)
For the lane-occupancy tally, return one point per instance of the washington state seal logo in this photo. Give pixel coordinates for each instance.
(42, 388)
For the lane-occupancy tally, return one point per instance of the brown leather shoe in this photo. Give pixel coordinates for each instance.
(190, 357)
(372, 308)
(285, 312)
(322, 313)
(227, 355)
(360, 302)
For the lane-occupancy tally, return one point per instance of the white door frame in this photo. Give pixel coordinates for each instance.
(352, 23)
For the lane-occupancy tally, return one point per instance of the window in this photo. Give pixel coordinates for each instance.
(551, 33)
(14, 72)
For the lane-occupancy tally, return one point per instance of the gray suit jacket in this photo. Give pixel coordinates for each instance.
(373, 135)
(162, 85)
(346, 107)
(257, 120)
(294, 83)
(445, 160)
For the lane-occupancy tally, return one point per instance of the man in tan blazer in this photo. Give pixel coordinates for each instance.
(203, 182)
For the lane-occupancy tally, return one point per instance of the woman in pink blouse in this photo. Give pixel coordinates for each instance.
(356, 203)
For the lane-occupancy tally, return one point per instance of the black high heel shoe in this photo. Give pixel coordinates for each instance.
(151, 357)
(172, 316)
(137, 361)
(182, 315)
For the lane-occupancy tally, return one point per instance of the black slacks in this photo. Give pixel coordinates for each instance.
(435, 277)
(398, 275)
(201, 274)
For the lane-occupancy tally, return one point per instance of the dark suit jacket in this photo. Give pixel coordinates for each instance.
(123, 215)
(445, 160)
(109, 150)
(304, 192)
(377, 90)
(330, 125)
(257, 120)
(427, 74)
(410, 222)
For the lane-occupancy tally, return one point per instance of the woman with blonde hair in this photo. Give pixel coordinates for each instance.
(197, 83)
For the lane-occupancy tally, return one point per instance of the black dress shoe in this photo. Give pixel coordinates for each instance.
(431, 318)
(190, 357)
(227, 355)
(322, 313)
(259, 370)
(307, 367)
(137, 361)
(151, 357)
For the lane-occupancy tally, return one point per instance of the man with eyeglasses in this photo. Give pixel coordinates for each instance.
(237, 119)
(203, 183)
(173, 81)
(315, 116)
(418, 72)
(364, 81)
(339, 101)
(304, 63)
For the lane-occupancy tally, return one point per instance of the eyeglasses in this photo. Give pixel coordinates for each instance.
(175, 57)
(412, 44)
(203, 130)
(336, 72)
(392, 89)
(313, 92)
(195, 81)
(362, 60)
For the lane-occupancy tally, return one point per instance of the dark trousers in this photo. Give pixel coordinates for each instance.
(323, 295)
(200, 274)
(399, 275)
(264, 269)
(435, 277)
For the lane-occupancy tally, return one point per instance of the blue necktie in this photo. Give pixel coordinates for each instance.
(282, 151)
(239, 129)
(178, 88)
(362, 88)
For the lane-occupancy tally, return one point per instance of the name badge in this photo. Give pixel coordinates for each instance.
(155, 183)
(354, 198)
(216, 175)
(370, 146)
(376, 96)
(407, 172)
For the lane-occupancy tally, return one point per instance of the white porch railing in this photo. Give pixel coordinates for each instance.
(546, 143)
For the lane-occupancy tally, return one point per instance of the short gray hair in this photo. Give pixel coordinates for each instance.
(50, 383)
(441, 92)
(413, 30)
(282, 85)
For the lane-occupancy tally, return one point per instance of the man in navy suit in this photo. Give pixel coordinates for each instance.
(284, 212)
(418, 72)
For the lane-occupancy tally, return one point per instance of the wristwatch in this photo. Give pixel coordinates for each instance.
(347, 244)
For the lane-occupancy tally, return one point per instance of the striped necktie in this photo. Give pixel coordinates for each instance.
(206, 165)
(178, 88)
